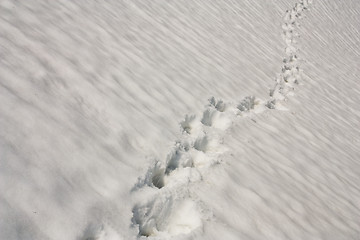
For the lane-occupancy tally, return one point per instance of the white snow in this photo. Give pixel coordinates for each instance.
(179, 119)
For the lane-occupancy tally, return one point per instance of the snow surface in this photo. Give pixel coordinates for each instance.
(179, 119)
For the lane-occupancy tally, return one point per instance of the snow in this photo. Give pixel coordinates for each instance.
(179, 120)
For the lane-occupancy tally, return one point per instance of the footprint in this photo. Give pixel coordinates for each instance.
(178, 157)
(151, 216)
(208, 116)
(189, 123)
(246, 104)
(290, 73)
(201, 144)
(167, 214)
(158, 175)
(209, 144)
(217, 115)
(214, 110)
(271, 104)
(184, 219)
(218, 104)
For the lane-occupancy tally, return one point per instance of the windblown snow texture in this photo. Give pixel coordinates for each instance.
(93, 94)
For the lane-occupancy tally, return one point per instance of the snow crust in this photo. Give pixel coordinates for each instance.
(105, 132)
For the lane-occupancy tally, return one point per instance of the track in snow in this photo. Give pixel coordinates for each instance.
(169, 208)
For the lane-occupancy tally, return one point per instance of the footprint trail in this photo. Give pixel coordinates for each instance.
(291, 73)
(166, 205)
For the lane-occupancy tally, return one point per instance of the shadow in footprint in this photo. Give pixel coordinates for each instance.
(208, 117)
(179, 157)
(187, 123)
(157, 176)
(201, 144)
(247, 104)
(218, 104)
(214, 107)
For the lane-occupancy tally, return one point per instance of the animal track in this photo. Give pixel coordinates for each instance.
(291, 73)
(219, 105)
(171, 210)
(214, 112)
(201, 144)
(188, 124)
(208, 117)
(247, 104)
(179, 157)
(168, 212)
(157, 176)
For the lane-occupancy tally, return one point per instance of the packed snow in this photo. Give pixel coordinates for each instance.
(179, 119)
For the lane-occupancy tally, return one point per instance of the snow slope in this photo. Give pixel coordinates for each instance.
(93, 94)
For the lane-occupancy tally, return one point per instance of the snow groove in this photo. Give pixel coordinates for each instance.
(169, 208)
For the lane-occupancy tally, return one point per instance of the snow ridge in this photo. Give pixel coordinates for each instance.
(166, 206)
